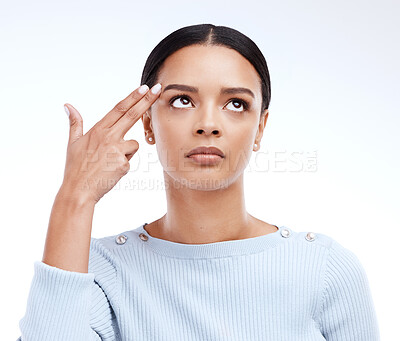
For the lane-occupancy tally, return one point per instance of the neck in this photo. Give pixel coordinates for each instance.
(198, 217)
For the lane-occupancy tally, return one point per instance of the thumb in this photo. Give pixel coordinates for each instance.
(75, 123)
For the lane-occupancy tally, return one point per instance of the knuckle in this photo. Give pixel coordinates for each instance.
(100, 135)
(75, 122)
(112, 149)
(93, 136)
(132, 114)
(95, 132)
(120, 107)
(148, 97)
(107, 136)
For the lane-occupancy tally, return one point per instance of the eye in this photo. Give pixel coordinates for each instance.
(183, 100)
(180, 101)
(238, 103)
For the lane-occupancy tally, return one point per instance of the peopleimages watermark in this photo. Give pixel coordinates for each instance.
(285, 161)
(207, 177)
(156, 184)
(174, 161)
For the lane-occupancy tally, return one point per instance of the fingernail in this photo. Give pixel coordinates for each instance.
(143, 89)
(66, 110)
(156, 88)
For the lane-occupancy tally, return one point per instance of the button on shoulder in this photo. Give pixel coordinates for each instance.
(143, 237)
(285, 232)
(121, 239)
(310, 236)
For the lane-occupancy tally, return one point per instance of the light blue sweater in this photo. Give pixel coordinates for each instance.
(282, 286)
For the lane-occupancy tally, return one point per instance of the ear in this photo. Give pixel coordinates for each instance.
(261, 126)
(147, 124)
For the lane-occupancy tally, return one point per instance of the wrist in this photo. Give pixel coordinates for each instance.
(74, 197)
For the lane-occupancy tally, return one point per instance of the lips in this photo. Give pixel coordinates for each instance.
(206, 150)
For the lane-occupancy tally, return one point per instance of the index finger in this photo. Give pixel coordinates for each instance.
(136, 111)
(123, 106)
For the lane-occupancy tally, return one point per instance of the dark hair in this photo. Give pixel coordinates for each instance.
(208, 34)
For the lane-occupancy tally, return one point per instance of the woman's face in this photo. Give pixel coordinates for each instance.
(203, 115)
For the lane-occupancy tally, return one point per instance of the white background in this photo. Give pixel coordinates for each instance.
(334, 74)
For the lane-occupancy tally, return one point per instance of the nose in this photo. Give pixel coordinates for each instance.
(208, 131)
(207, 125)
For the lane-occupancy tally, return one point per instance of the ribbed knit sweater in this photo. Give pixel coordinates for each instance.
(282, 286)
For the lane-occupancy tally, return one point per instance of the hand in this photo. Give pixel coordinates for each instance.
(96, 161)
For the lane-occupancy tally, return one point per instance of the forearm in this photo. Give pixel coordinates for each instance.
(68, 236)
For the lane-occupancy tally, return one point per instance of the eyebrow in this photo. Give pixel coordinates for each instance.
(189, 88)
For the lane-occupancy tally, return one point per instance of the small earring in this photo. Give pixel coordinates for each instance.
(150, 139)
(255, 145)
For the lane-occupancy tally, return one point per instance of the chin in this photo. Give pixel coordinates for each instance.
(200, 181)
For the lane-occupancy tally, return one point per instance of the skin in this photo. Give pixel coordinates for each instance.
(206, 203)
(95, 162)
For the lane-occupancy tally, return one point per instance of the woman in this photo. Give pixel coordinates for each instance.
(207, 269)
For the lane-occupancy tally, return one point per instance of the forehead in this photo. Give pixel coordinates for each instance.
(209, 68)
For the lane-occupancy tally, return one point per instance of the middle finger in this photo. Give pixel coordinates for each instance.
(136, 111)
(122, 107)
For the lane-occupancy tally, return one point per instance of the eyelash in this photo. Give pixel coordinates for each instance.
(243, 102)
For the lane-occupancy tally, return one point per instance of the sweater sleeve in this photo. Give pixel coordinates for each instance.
(347, 311)
(67, 305)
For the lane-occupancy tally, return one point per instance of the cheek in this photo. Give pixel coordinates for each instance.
(169, 142)
(167, 132)
(241, 141)
(242, 136)
(172, 127)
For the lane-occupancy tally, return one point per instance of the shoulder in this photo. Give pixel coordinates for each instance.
(106, 292)
(345, 303)
(341, 267)
(108, 246)
(334, 250)
(344, 270)
(340, 260)
(104, 264)
(108, 250)
(101, 249)
(311, 238)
